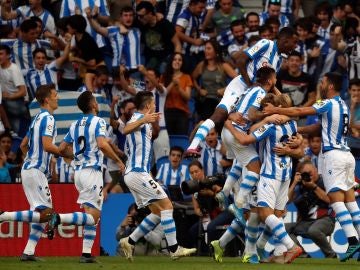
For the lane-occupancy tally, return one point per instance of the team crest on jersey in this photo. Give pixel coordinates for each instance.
(49, 127)
(320, 102)
(258, 100)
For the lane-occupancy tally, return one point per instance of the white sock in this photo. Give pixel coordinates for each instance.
(279, 248)
(77, 218)
(201, 133)
(230, 233)
(168, 224)
(355, 215)
(233, 177)
(249, 181)
(344, 218)
(88, 238)
(147, 225)
(264, 238)
(27, 216)
(34, 237)
(278, 229)
(251, 232)
(155, 236)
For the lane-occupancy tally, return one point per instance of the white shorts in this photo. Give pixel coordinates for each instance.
(243, 153)
(272, 193)
(338, 170)
(144, 188)
(89, 183)
(161, 145)
(36, 188)
(232, 94)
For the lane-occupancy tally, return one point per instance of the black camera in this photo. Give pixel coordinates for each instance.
(193, 186)
(305, 176)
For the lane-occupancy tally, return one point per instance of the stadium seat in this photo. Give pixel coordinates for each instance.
(179, 140)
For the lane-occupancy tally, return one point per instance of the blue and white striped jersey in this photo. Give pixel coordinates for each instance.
(286, 6)
(250, 98)
(263, 53)
(311, 156)
(35, 77)
(117, 42)
(22, 51)
(83, 134)
(132, 48)
(275, 167)
(169, 176)
(334, 117)
(43, 124)
(174, 8)
(68, 8)
(65, 171)
(48, 22)
(210, 158)
(138, 147)
(190, 24)
(284, 21)
(15, 23)
(160, 99)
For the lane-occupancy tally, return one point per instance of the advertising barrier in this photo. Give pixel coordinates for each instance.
(14, 235)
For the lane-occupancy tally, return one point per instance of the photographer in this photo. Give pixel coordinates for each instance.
(204, 203)
(308, 194)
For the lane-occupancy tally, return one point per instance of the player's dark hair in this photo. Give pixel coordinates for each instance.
(44, 91)
(263, 74)
(142, 99)
(335, 79)
(84, 101)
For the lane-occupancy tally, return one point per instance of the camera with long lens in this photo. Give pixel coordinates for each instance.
(305, 176)
(193, 186)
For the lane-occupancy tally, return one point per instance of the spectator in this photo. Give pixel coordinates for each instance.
(273, 10)
(89, 55)
(123, 37)
(296, 83)
(187, 28)
(339, 14)
(313, 150)
(223, 18)
(354, 137)
(173, 172)
(179, 86)
(34, 8)
(323, 13)
(308, 193)
(99, 80)
(23, 46)
(289, 8)
(69, 77)
(6, 7)
(213, 73)
(274, 23)
(4, 168)
(13, 90)
(239, 43)
(252, 23)
(212, 153)
(100, 12)
(158, 36)
(44, 73)
(161, 144)
(266, 32)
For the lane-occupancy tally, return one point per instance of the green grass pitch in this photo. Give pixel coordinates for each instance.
(164, 263)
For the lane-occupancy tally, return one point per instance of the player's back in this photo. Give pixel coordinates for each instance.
(275, 166)
(83, 134)
(43, 124)
(138, 146)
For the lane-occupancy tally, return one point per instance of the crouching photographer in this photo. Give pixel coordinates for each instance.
(307, 191)
(203, 190)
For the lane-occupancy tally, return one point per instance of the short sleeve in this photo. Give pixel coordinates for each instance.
(100, 128)
(263, 132)
(322, 106)
(48, 126)
(258, 48)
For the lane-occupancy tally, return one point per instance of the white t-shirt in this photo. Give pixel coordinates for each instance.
(11, 78)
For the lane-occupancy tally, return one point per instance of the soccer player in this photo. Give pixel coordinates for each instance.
(338, 163)
(87, 136)
(143, 187)
(38, 144)
(264, 52)
(275, 175)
